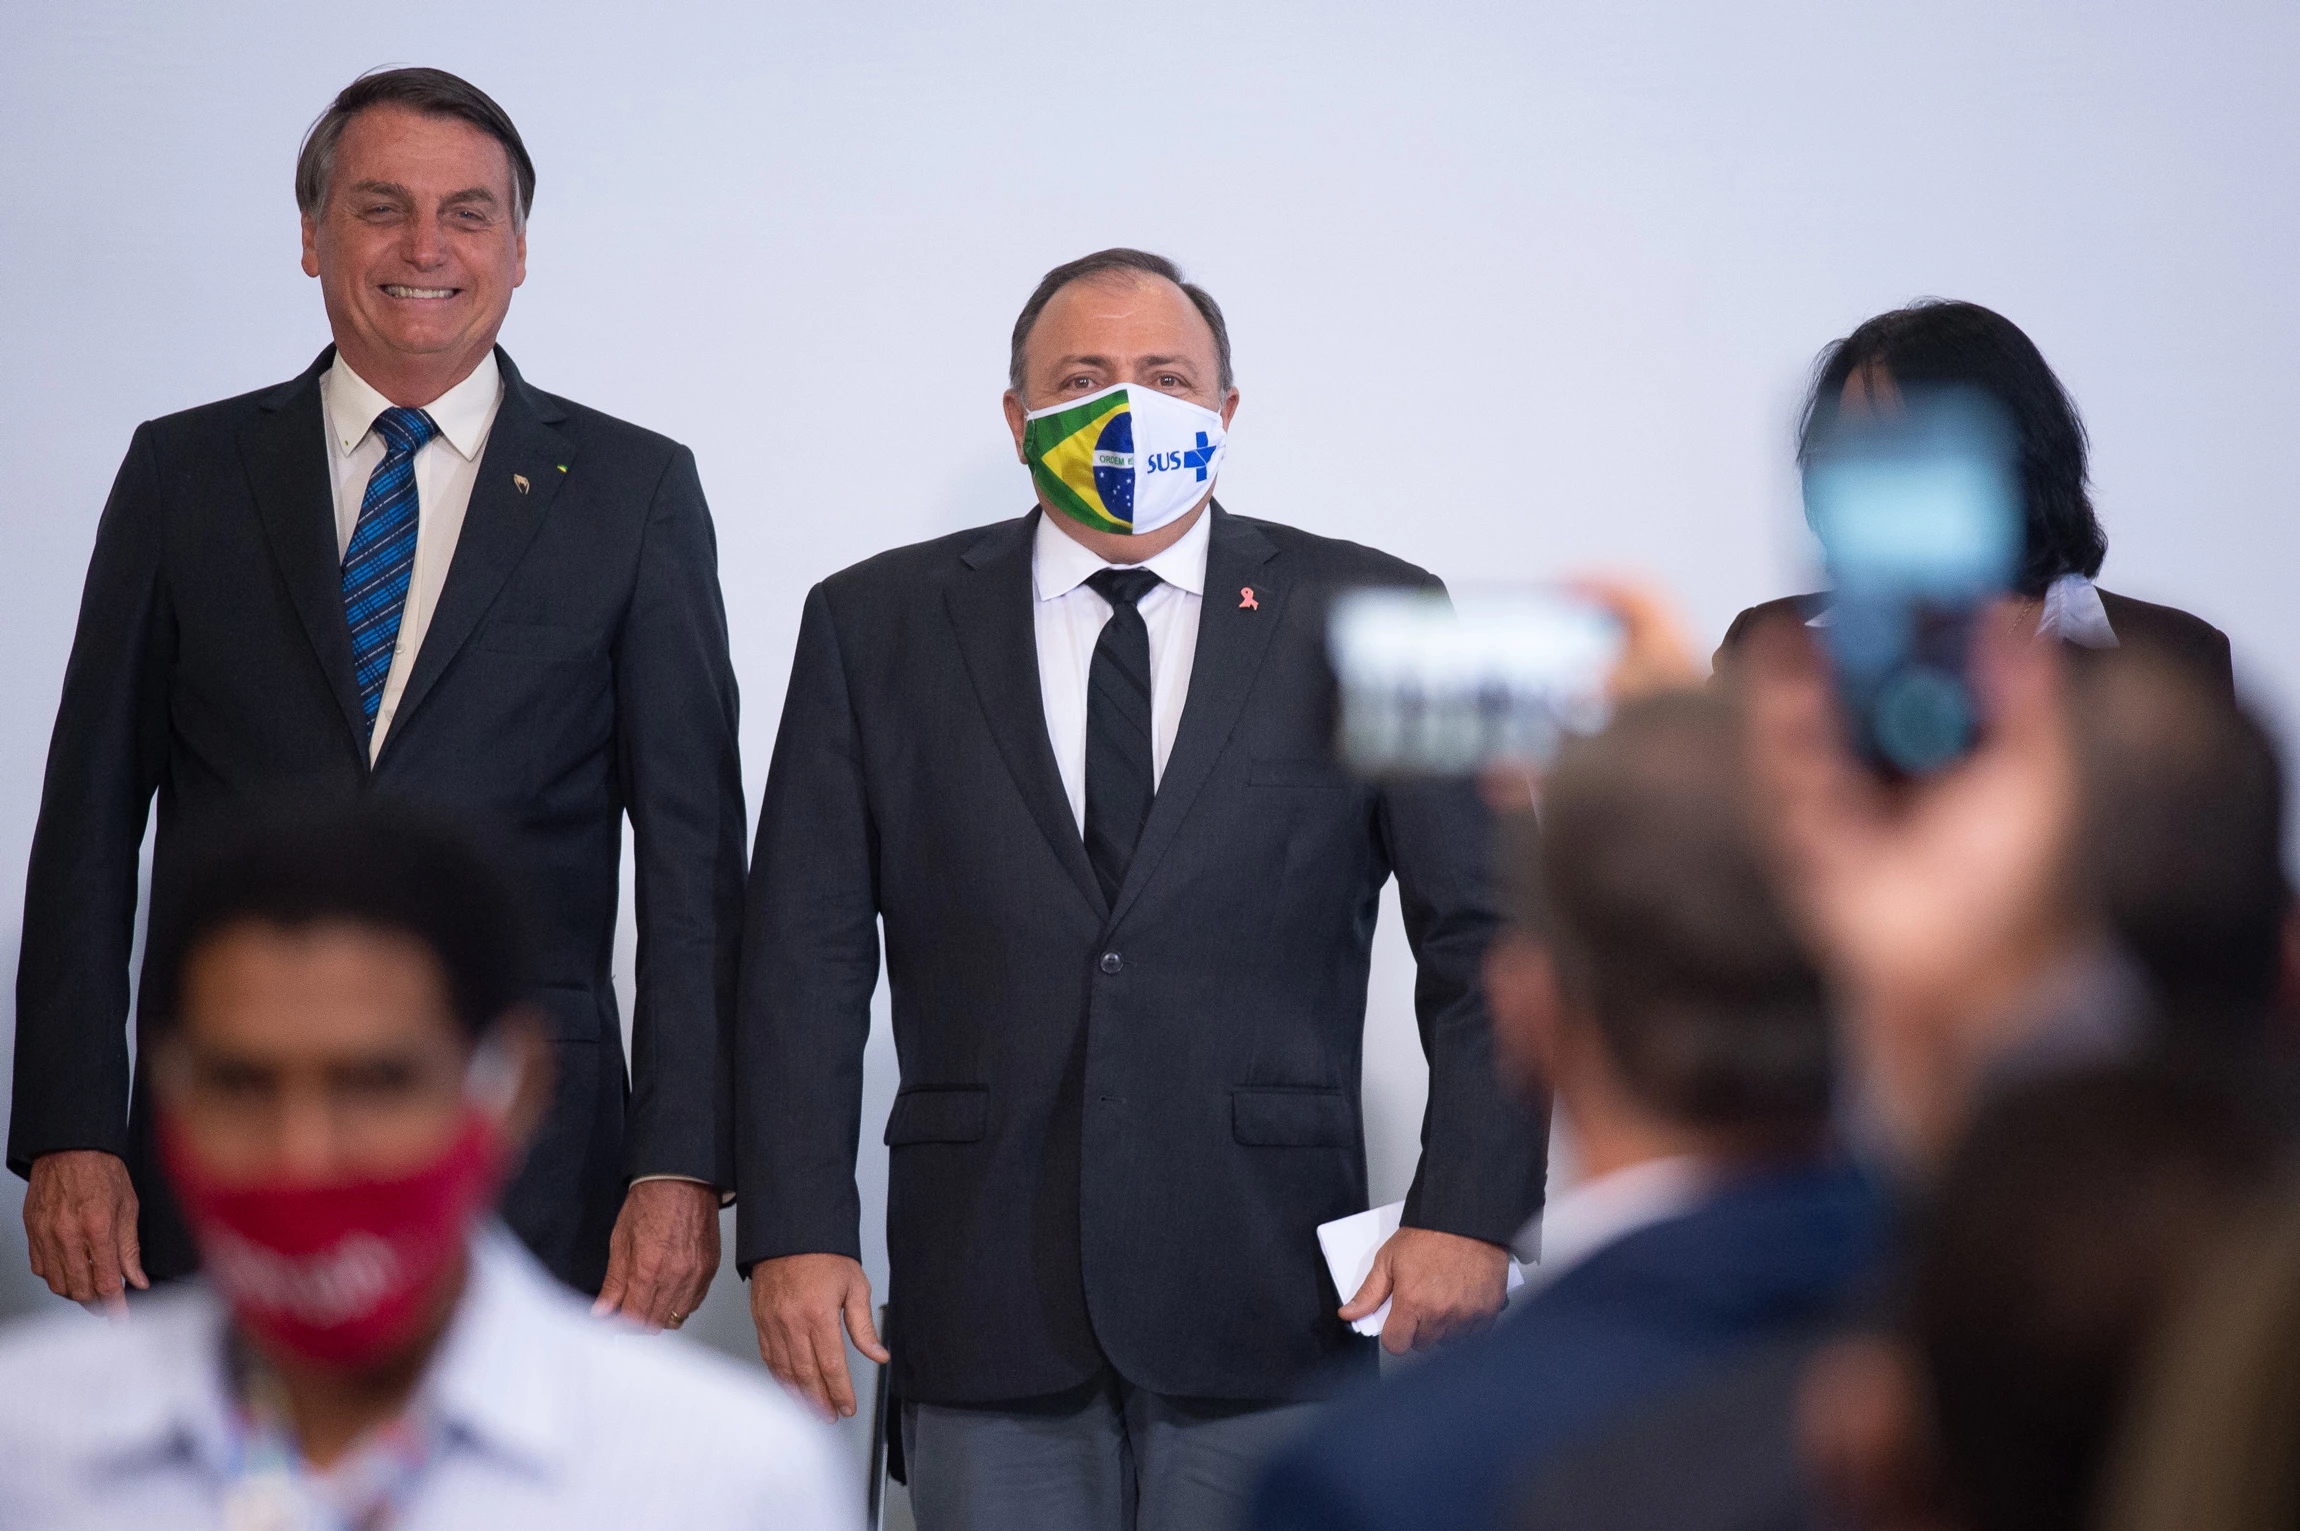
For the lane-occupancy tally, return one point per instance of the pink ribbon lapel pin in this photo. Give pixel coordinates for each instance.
(1246, 601)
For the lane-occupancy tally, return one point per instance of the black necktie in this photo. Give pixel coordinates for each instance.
(1119, 778)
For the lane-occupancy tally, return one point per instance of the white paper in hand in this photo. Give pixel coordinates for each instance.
(1352, 1242)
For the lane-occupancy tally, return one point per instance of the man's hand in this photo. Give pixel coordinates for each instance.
(663, 1254)
(797, 1302)
(1439, 1285)
(80, 1219)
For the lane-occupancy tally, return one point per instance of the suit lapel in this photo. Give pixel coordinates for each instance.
(500, 522)
(1232, 640)
(991, 608)
(285, 451)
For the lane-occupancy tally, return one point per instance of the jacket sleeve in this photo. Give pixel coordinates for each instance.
(810, 964)
(104, 763)
(682, 782)
(1485, 1146)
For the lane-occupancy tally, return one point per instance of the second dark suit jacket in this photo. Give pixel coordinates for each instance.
(2165, 631)
(1452, 1445)
(575, 670)
(1119, 1125)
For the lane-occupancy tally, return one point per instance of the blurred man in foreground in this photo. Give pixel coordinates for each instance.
(1686, 1039)
(344, 1075)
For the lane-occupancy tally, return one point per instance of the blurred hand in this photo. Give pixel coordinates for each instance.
(797, 1303)
(1655, 655)
(1439, 1285)
(1935, 907)
(663, 1253)
(80, 1220)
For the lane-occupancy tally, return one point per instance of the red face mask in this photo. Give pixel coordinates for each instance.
(339, 1272)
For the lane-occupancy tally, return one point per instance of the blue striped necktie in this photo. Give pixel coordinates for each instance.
(381, 557)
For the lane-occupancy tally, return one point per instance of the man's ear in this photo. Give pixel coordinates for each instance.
(1016, 414)
(1521, 990)
(1229, 407)
(311, 247)
(525, 1055)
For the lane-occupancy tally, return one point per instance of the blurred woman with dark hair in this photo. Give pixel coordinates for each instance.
(1937, 343)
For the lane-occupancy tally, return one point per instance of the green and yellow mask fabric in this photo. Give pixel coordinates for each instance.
(1128, 459)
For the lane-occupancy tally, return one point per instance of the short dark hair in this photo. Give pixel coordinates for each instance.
(1938, 342)
(1103, 263)
(377, 865)
(2184, 840)
(1664, 925)
(433, 92)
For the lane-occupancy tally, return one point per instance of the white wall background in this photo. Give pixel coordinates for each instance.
(1516, 289)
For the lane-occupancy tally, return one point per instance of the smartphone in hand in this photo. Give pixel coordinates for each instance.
(1918, 511)
(1432, 687)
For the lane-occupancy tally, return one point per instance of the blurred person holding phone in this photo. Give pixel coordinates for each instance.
(407, 570)
(345, 1071)
(1079, 768)
(1653, 979)
(2171, 1024)
(1940, 345)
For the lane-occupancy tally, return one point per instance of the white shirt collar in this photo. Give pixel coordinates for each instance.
(1060, 563)
(463, 413)
(1608, 1208)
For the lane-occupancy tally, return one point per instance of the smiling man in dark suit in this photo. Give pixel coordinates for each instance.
(409, 573)
(1079, 765)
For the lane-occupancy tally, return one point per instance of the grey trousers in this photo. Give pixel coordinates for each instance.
(1107, 1456)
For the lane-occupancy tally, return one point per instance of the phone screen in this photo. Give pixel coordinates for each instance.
(1919, 518)
(1432, 687)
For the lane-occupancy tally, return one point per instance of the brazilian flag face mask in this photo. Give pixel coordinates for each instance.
(1128, 459)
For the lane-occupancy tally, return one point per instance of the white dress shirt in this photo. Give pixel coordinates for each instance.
(547, 1417)
(1069, 620)
(446, 467)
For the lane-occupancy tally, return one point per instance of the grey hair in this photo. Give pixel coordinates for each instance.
(433, 92)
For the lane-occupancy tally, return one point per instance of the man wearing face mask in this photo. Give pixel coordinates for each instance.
(1079, 764)
(344, 1072)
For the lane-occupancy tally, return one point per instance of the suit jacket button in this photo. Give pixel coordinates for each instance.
(1111, 962)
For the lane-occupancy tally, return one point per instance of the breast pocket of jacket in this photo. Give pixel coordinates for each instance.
(1297, 1117)
(938, 1114)
(545, 641)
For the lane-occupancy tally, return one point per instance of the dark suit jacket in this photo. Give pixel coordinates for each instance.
(2165, 631)
(575, 669)
(1118, 1127)
(1450, 1445)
